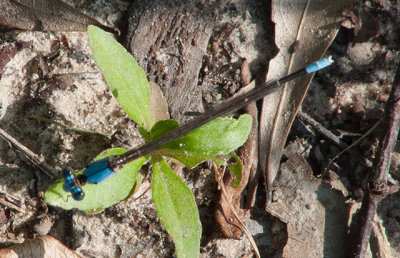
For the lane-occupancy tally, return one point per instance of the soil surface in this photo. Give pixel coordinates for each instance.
(196, 53)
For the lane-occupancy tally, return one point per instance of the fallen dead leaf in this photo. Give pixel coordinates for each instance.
(43, 246)
(158, 104)
(225, 219)
(44, 15)
(370, 27)
(316, 214)
(312, 25)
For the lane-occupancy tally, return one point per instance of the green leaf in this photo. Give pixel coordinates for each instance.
(191, 160)
(236, 170)
(213, 140)
(161, 127)
(144, 133)
(124, 76)
(102, 195)
(177, 209)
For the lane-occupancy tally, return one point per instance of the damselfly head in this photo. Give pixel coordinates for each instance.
(72, 185)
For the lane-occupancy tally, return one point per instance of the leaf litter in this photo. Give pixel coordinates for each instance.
(44, 15)
(335, 120)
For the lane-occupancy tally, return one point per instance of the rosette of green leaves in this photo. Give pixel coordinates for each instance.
(174, 201)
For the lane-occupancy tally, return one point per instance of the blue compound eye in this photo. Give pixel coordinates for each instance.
(67, 174)
(78, 195)
(68, 178)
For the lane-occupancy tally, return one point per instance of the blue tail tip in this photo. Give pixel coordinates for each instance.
(320, 64)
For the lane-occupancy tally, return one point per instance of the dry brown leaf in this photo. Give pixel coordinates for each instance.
(44, 15)
(43, 246)
(315, 214)
(158, 104)
(370, 27)
(225, 219)
(311, 26)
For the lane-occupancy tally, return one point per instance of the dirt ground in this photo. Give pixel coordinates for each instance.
(309, 214)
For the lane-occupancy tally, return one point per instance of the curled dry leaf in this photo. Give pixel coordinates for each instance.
(226, 221)
(43, 246)
(364, 24)
(370, 27)
(313, 25)
(158, 104)
(44, 15)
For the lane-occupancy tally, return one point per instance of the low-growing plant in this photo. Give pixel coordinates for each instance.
(174, 201)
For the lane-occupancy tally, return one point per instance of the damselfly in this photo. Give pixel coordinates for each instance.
(100, 170)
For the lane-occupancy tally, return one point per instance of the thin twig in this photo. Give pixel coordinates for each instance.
(142, 194)
(333, 138)
(367, 161)
(9, 200)
(9, 196)
(321, 129)
(219, 178)
(34, 158)
(11, 205)
(377, 188)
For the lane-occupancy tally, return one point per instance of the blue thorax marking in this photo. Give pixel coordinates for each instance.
(96, 172)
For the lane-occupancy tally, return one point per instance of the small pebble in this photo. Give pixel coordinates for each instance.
(43, 227)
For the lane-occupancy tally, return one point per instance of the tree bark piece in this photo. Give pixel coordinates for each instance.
(169, 40)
